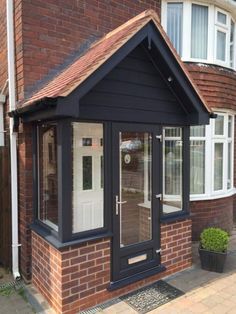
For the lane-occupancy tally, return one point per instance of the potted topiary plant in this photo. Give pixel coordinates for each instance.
(213, 249)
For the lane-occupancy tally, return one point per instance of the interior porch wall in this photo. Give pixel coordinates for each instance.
(77, 277)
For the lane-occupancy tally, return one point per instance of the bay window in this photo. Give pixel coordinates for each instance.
(211, 158)
(200, 32)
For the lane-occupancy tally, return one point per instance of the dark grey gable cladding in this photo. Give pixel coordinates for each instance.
(141, 82)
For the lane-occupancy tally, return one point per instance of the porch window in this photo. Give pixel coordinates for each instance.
(88, 176)
(173, 170)
(197, 159)
(47, 175)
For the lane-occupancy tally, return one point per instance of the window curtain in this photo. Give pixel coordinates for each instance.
(175, 25)
(199, 31)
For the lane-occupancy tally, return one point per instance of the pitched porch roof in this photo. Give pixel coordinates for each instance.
(97, 55)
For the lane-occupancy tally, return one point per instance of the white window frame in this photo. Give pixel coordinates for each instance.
(210, 140)
(213, 26)
(203, 139)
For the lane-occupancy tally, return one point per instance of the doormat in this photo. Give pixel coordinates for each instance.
(142, 300)
(148, 298)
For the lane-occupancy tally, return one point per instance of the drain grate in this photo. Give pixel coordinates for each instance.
(17, 284)
(148, 298)
(101, 307)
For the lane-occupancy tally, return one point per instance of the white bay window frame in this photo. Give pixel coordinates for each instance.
(210, 140)
(213, 26)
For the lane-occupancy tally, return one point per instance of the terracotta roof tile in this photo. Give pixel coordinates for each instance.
(69, 79)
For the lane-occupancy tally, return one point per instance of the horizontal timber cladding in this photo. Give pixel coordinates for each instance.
(77, 277)
(211, 213)
(133, 91)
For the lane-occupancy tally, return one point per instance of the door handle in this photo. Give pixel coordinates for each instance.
(118, 203)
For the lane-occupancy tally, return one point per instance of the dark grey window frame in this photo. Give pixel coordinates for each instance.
(64, 160)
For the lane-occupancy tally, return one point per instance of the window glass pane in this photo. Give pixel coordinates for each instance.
(199, 31)
(221, 45)
(218, 166)
(221, 18)
(173, 164)
(229, 126)
(229, 179)
(197, 131)
(197, 167)
(219, 125)
(232, 26)
(175, 25)
(135, 160)
(47, 164)
(172, 132)
(87, 176)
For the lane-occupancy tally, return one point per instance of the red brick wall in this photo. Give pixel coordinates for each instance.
(213, 213)
(53, 30)
(3, 44)
(25, 184)
(76, 277)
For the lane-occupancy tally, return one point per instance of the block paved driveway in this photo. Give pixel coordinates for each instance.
(205, 292)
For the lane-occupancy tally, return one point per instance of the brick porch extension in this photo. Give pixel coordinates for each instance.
(77, 277)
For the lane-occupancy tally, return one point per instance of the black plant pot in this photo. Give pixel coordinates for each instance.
(212, 261)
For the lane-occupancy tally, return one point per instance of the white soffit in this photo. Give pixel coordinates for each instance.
(228, 5)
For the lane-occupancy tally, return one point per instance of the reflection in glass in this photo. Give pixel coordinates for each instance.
(197, 169)
(48, 196)
(218, 167)
(173, 165)
(135, 187)
(87, 201)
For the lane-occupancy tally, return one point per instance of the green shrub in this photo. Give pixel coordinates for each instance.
(214, 239)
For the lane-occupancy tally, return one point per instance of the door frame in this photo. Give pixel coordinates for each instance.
(133, 273)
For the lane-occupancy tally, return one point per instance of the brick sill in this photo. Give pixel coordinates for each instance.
(45, 234)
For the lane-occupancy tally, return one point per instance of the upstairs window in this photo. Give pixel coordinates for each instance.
(175, 25)
(200, 32)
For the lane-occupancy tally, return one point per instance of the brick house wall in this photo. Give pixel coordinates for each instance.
(48, 32)
(218, 212)
(69, 277)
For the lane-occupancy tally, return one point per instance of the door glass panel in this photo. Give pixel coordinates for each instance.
(135, 187)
